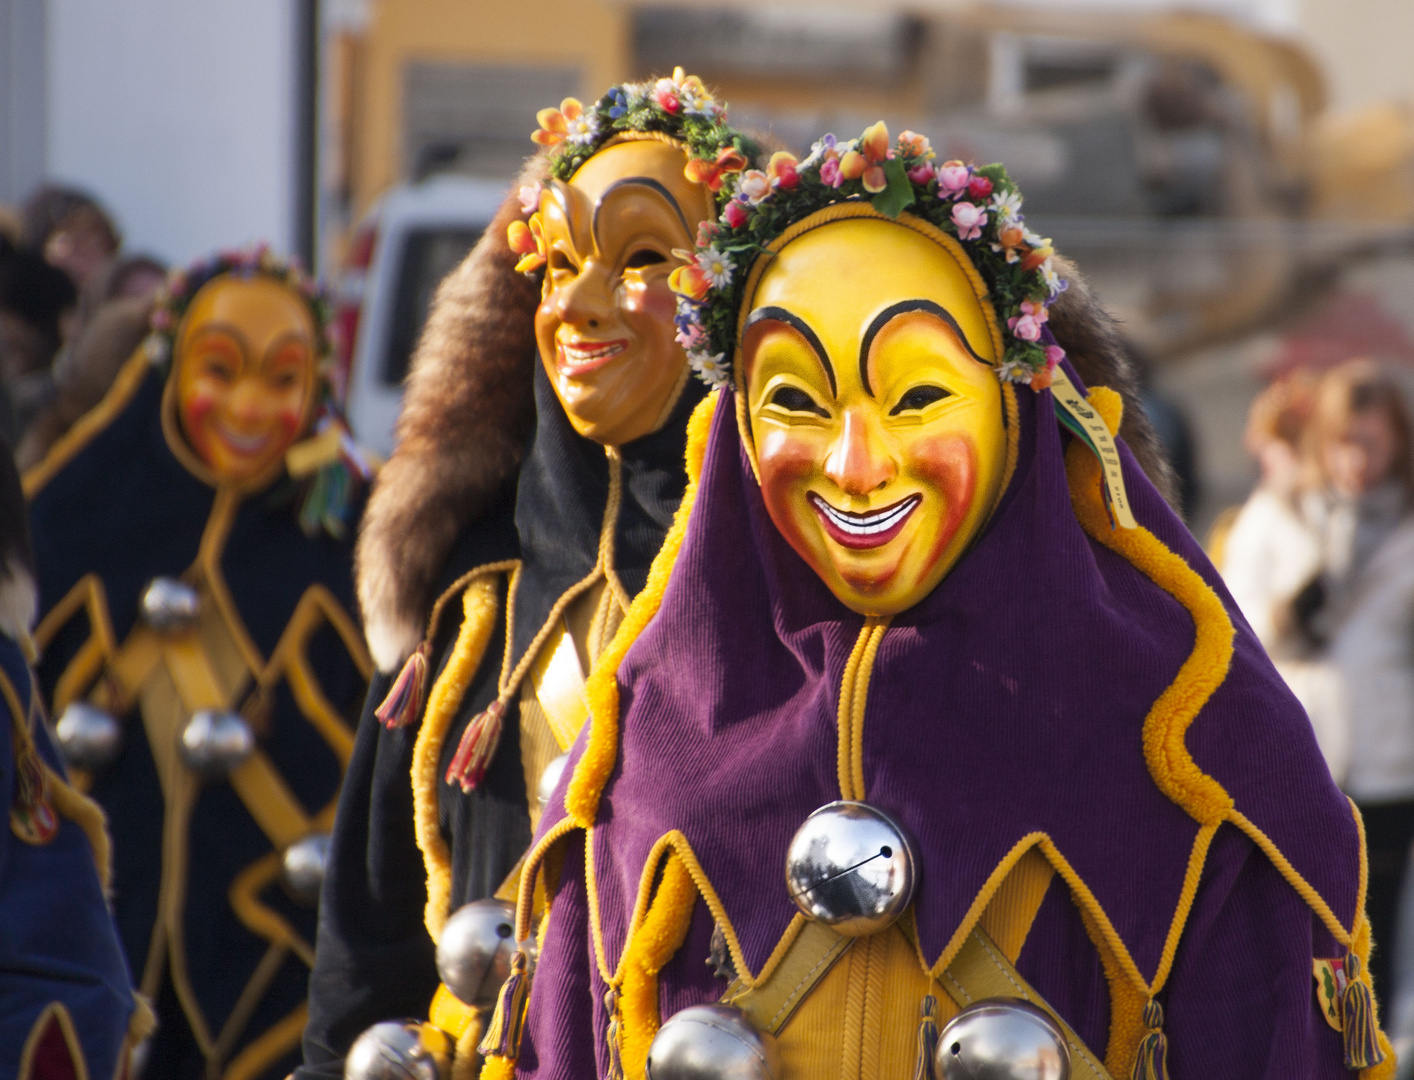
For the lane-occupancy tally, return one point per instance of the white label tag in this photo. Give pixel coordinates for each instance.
(1073, 402)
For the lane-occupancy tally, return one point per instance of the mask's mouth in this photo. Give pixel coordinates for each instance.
(578, 358)
(244, 445)
(863, 531)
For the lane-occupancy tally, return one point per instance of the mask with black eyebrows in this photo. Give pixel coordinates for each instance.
(874, 410)
(605, 323)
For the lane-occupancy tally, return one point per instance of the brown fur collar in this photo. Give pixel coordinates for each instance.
(467, 411)
(1093, 343)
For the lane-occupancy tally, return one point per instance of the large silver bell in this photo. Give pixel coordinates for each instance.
(712, 1042)
(474, 951)
(303, 865)
(852, 867)
(215, 741)
(550, 780)
(399, 1050)
(168, 604)
(1003, 1039)
(88, 737)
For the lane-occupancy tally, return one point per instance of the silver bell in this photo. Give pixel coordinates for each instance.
(474, 951)
(168, 604)
(712, 1042)
(550, 779)
(215, 741)
(302, 867)
(852, 867)
(399, 1050)
(88, 736)
(1002, 1039)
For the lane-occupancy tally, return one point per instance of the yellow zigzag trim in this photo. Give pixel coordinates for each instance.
(479, 608)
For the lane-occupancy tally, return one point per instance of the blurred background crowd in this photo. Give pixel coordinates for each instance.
(1235, 177)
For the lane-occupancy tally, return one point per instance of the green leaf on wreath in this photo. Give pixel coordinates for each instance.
(898, 195)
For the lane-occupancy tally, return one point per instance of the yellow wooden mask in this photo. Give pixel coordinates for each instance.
(875, 412)
(605, 323)
(244, 376)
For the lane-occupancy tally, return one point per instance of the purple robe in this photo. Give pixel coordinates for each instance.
(1010, 701)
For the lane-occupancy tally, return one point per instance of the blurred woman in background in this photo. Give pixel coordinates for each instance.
(1360, 610)
(1270, 556)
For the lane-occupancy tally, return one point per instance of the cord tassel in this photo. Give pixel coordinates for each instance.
(1357, 1017)
(1152, 1061)
(503, 1032)
(926, 1068)
(477, 747)
(613, 1036)
(405, 700)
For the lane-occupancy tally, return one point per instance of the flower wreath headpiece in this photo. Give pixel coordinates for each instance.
(981, 207)
(332, 467)
(183, 284)
(679, 108)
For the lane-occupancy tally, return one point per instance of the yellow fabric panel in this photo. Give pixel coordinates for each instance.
(538, 746)
(1013, 909)
(861, 1020)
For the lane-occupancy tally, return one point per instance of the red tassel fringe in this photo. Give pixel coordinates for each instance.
(404, 701)
(477, 747)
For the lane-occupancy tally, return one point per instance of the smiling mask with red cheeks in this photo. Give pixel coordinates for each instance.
(244, 376)
(605, 323)
(874, 410)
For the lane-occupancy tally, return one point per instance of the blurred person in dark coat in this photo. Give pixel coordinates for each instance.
(67, 1009)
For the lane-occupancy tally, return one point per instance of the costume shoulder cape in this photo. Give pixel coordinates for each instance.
(111, 508)
(1082, 690)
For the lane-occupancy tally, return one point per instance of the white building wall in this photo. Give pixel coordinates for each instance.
(179, 115)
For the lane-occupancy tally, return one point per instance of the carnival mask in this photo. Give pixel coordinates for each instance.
(244, 374)
(605, 323)
(876, 415)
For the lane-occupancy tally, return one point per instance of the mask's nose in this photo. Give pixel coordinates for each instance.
(586, 302)
(858, 461)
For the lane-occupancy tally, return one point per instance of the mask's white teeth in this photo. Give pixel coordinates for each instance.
(867, 524)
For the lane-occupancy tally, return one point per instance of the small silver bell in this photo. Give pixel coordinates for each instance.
(399, 1050)
(1002, 1039)
(851, 866)
(474, 951)
(168, 604)
(302, 867)
(215, 741)
(712, 1042)
(88, 737)
(550, 779)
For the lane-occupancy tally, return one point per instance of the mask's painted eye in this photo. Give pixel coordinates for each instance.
(644, 257)
(561, 262)
(793, 399)
(920, 397)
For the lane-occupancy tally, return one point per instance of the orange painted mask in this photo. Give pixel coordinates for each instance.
(876, 417)
(605, 322)
(244, 376)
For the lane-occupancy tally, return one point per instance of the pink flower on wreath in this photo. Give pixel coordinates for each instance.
(1054, 355)
(665, 93)
(529, 198)
(735, 214)
(969, 219)
(755, 185)
(979, 187)
(953, 178)
(691, 335)
(830, 172)
(1027, 325)
(706, 230)
(921, 173)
